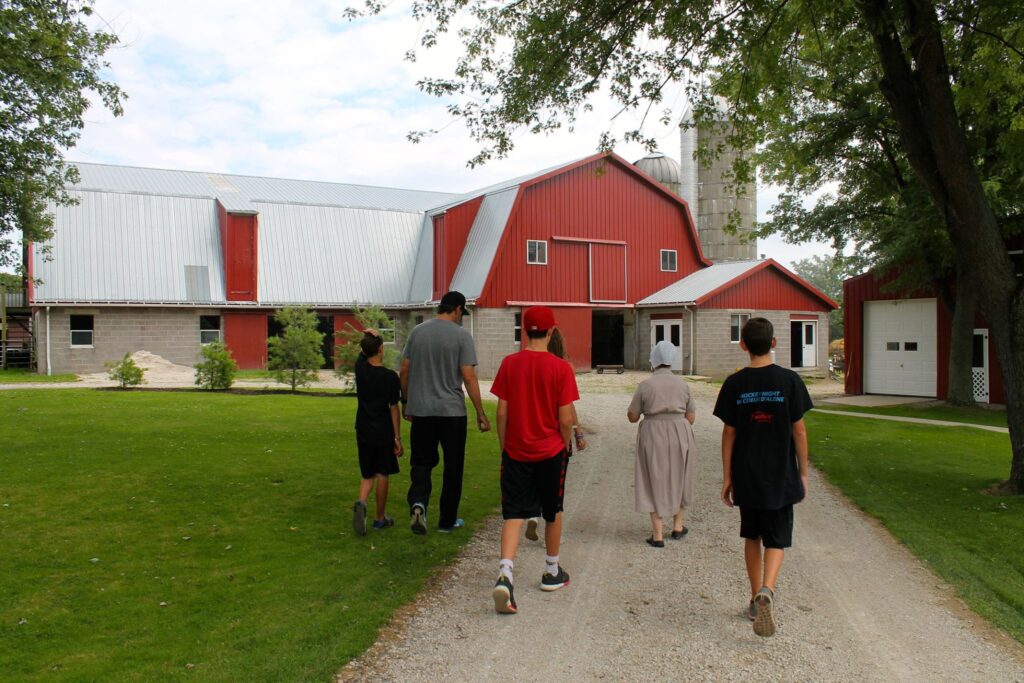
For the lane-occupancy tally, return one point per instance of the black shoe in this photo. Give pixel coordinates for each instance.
(359, 517)
(553, 583)
(676, 535)
(655, 544)
(504, 599)
(419, 520)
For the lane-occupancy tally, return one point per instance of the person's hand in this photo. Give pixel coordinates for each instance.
(483, 423)
(373, 332)
(399, 449)
(407, 418)
(581, 442)
(804, 481)
(727, 493)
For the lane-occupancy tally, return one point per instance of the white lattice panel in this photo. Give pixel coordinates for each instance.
(980, 381)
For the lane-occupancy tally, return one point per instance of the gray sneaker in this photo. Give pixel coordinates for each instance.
(752, 610)
(531, 529)
(419, 520)
(359, 518)
(764, 620)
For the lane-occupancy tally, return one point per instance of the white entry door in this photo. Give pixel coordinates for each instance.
(979, 366)
(671, 330)
(900, 356)
(810, 345)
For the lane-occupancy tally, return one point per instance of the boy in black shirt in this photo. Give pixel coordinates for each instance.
(764, 461)
(378, 434)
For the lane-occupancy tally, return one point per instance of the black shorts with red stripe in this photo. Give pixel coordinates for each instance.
(532, 489)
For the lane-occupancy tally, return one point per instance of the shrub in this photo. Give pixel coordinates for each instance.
(296, 355)
(126, 373)
(217, 371)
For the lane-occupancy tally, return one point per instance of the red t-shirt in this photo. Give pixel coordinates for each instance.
(535, 384)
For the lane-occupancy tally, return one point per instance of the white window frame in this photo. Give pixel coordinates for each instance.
(219, 330)
(675, 261)
(91, 331)
(517, 328)
(537, 261)
(388, 333)
(742, 320)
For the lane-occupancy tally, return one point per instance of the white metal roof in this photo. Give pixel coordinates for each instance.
(698, 284)
(115, 247)
(239, 191)
(482, 243)
(335, 255)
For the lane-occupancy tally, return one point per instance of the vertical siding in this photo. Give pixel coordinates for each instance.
(600, 201)
(451, 231)
(440, 277)
(767, 290)
(608, 272)
(246, 335)
(575, 324)
(239, 242)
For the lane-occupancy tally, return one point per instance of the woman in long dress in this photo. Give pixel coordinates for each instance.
(664, 445)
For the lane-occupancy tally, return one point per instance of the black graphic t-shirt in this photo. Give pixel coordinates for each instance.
(762, 404)
(377, 389)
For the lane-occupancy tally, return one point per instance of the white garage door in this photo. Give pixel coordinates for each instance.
(899, 347)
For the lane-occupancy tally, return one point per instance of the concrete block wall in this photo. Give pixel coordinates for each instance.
(170, 333)
(494, 334)
(718, 357)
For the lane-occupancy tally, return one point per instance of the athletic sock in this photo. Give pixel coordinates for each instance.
(551, 564)
(505, 569)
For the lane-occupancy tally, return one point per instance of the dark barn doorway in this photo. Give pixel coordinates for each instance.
(325, 325)
(607, 340)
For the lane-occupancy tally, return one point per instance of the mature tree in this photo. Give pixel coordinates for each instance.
(50, 60)
(297, 353)
(915, 76)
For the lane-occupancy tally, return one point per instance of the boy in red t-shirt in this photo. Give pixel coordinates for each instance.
(535, 391)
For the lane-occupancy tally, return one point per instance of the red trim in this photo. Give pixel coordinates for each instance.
(794, 317)
(587, 240)
(562, 304)
(667, 316)
(758, 268)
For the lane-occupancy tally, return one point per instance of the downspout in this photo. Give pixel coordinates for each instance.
(48, 370)
(692, 313)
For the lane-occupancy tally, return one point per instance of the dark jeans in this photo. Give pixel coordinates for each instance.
(426, 434)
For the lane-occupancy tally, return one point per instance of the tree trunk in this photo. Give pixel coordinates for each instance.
(916, 83)
(961, 346)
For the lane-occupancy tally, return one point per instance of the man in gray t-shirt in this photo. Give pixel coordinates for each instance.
(438, 359)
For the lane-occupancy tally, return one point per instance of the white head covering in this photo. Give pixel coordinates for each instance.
(663, 353)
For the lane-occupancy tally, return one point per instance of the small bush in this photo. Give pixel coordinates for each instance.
(296, 355)
(126, 373)
(217, 371)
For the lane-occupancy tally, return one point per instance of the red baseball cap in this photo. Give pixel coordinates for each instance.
(538, 318)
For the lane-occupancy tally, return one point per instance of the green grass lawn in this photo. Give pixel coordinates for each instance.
(926, 485)
(200, 536)
(255, 375)
(11, 376)
(984, 416)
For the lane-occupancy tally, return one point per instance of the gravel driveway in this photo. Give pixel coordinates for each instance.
(853, 605)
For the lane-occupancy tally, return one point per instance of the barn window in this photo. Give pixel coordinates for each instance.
(910, 346)
(668, 260)
(209, 329)
(736, 323)
(518, 328)
(537, 252)
(387, 330)
(81, 330)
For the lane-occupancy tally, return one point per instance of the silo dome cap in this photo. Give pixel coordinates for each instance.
(660, 167)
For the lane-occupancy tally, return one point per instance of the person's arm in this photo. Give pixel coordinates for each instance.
(691, 416)
(632, 417)
(473, 389)
(565, 422)
(635, 409)
(502, 422)
(581, 441)
(403, 382)
(728, 441)
(396, 424)
(800, 441)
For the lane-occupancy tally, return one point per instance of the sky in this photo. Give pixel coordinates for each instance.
(293, 89)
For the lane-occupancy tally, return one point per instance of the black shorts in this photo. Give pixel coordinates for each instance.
(531, 489)
(377, 457)
(773, 527)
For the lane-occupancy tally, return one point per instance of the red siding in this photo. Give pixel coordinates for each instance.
(246, 335)
(600, 200)
(575, 324)
(868, 287)
(239, 239)
(451, 231)
(608, 272)
(343, 319)
(767, 290)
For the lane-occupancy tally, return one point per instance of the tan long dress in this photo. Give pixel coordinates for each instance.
(664, 444)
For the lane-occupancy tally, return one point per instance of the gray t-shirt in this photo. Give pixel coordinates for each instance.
(437, 350)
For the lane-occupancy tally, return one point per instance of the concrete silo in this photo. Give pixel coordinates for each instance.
(663, 169)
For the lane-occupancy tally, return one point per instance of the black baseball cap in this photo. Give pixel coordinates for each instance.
(452, 299)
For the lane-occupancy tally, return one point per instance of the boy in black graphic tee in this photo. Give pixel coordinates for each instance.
(764, 462)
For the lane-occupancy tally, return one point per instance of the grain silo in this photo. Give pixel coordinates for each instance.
(663, 169)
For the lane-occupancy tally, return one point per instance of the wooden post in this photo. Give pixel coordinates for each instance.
(3, 327)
